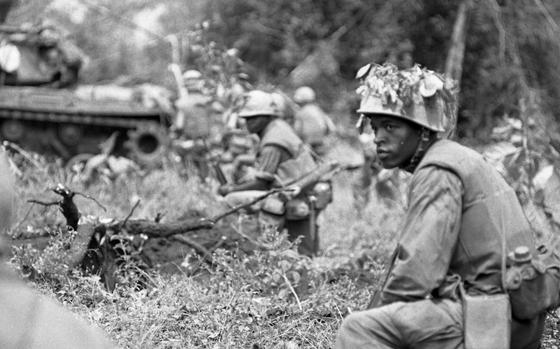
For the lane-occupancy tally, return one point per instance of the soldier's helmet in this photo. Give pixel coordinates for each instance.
(193, 79)
(257, 103)
(417, 94)
(304, 94)
(285, 106)
(192, 75)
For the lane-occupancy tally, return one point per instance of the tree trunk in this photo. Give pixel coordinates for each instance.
(454, 61)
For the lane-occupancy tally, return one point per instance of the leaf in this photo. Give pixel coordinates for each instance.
(362, 72)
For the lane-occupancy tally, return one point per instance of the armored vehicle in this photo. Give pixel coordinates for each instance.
(44, 109)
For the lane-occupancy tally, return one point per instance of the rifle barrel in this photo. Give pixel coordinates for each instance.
(219, 174)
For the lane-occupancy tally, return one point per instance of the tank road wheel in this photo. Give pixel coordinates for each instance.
(147, 144)
(12, 130)
(70, 135)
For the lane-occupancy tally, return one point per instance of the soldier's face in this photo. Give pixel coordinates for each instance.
(255, 124)
(396, 140)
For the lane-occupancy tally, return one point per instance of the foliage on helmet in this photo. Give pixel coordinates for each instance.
(403, 90)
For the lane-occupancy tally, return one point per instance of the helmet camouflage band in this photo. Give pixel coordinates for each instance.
(256, 103)
(416, 94)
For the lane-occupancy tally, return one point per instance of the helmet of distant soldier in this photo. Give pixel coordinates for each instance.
(304, 94)
(192, 79)
(284, 104)
(257, 103)
(192, 74)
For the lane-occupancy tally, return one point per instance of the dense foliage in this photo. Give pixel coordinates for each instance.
(509, 65)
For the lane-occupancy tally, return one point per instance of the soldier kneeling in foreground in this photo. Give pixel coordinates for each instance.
(29, 320)
(461, 218)
(282, 158)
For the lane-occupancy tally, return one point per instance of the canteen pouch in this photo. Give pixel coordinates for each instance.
(297, 209)
(534, 287)
(487, 321)
(322, 191)
(274, 205)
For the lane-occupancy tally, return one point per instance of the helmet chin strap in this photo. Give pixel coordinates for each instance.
(427, 137)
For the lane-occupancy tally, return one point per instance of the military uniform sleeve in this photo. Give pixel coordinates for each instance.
(268, 161)
(428, 237)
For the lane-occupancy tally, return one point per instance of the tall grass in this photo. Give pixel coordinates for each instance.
(272, 298)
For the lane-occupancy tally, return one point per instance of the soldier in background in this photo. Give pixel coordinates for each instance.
(195, 124)
(286, 106)
(282, 158)
(29, 320)
(238, 156)
(193, 121)
(240, 85)
(311, 123)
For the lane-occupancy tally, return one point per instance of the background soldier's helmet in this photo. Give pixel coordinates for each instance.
(417, 95)
(192, 79)
(192, 75)
(285, 106)
(256, 103)
(304, 94)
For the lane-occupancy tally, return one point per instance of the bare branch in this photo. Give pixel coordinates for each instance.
(18, 224)
(289, 284)
(245, 205)
(92, 199)
(42, 203)
(130, 213)
(206, 254)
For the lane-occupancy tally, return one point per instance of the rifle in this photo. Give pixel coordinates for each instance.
(248, 204)
(376, 297)
(323, 172)
(293, 188)
(220, 176)
(312, 176)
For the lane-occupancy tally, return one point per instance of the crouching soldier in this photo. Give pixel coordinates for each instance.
(282, 158)
(461, 218)
(29, 320)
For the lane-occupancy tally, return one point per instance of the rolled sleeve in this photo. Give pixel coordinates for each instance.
(268, 161)
(428, 237)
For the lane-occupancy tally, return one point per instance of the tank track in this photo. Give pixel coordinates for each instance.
(80, 119)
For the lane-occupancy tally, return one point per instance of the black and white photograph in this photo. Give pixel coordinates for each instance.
(280, 174)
